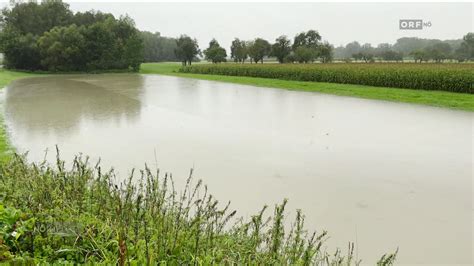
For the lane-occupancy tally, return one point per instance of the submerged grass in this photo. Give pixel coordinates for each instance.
(51, 214)
(452, 100)
(7, 76)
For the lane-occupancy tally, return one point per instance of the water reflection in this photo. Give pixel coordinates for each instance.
(49, 103)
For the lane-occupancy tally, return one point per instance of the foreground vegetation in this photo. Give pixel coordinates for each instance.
(52, 214)
(460, 101)
(445, 77)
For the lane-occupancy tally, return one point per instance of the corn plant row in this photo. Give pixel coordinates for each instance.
(440, 77)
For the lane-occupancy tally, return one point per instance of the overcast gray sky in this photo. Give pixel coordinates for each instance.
(338, 23)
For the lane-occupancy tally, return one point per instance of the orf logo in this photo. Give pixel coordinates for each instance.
(413, 24)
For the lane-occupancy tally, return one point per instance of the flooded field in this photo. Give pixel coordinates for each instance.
(383, 175)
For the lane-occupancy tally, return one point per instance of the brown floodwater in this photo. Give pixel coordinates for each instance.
(381, 174)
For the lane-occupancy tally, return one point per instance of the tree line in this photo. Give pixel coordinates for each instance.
(306, 47)
(49, 36)
(420, 50)
(157, 48)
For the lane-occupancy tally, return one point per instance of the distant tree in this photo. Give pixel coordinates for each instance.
(281, 48)
(352, 49)
(439, 51)
(339, 52)
(383, 47)
(290, 58)
(238, 50)
(187, 49)
(357, 56)
(365, 56)
(410, 44)
(304, 54)
(407, 45)
(215, 53)
(466, 49)
(366, 53)
(326, 52)
(419, 56)
(158, 48)
(309, 39)
(258, 49)
(390, 55)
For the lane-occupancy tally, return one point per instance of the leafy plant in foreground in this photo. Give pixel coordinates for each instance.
(51, 214)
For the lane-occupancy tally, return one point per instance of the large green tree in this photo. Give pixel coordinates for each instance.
(306, 46)
(258, 49)
(326, 52)
(309, 39)
(49, 36)
(304, 54)
(20, 51)
(61, 49)
(281, 48)
(238, 50)
(186, 49)
(215, 53)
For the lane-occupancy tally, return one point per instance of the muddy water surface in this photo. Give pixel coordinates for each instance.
(384, 175)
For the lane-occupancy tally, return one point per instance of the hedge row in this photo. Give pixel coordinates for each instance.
(444, 77)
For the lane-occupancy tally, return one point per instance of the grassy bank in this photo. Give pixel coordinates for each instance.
(51, 214)
(459, 101)
(6, 77)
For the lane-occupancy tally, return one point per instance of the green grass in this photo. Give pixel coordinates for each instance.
(458, 101)
(6, 77)
(50, 214)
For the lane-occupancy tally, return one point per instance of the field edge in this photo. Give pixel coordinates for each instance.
(450, 100)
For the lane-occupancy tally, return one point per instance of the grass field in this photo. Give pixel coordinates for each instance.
(459, 101)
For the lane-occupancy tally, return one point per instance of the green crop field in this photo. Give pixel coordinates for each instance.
(442, 77)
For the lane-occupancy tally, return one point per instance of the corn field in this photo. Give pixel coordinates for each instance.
(442, 77)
